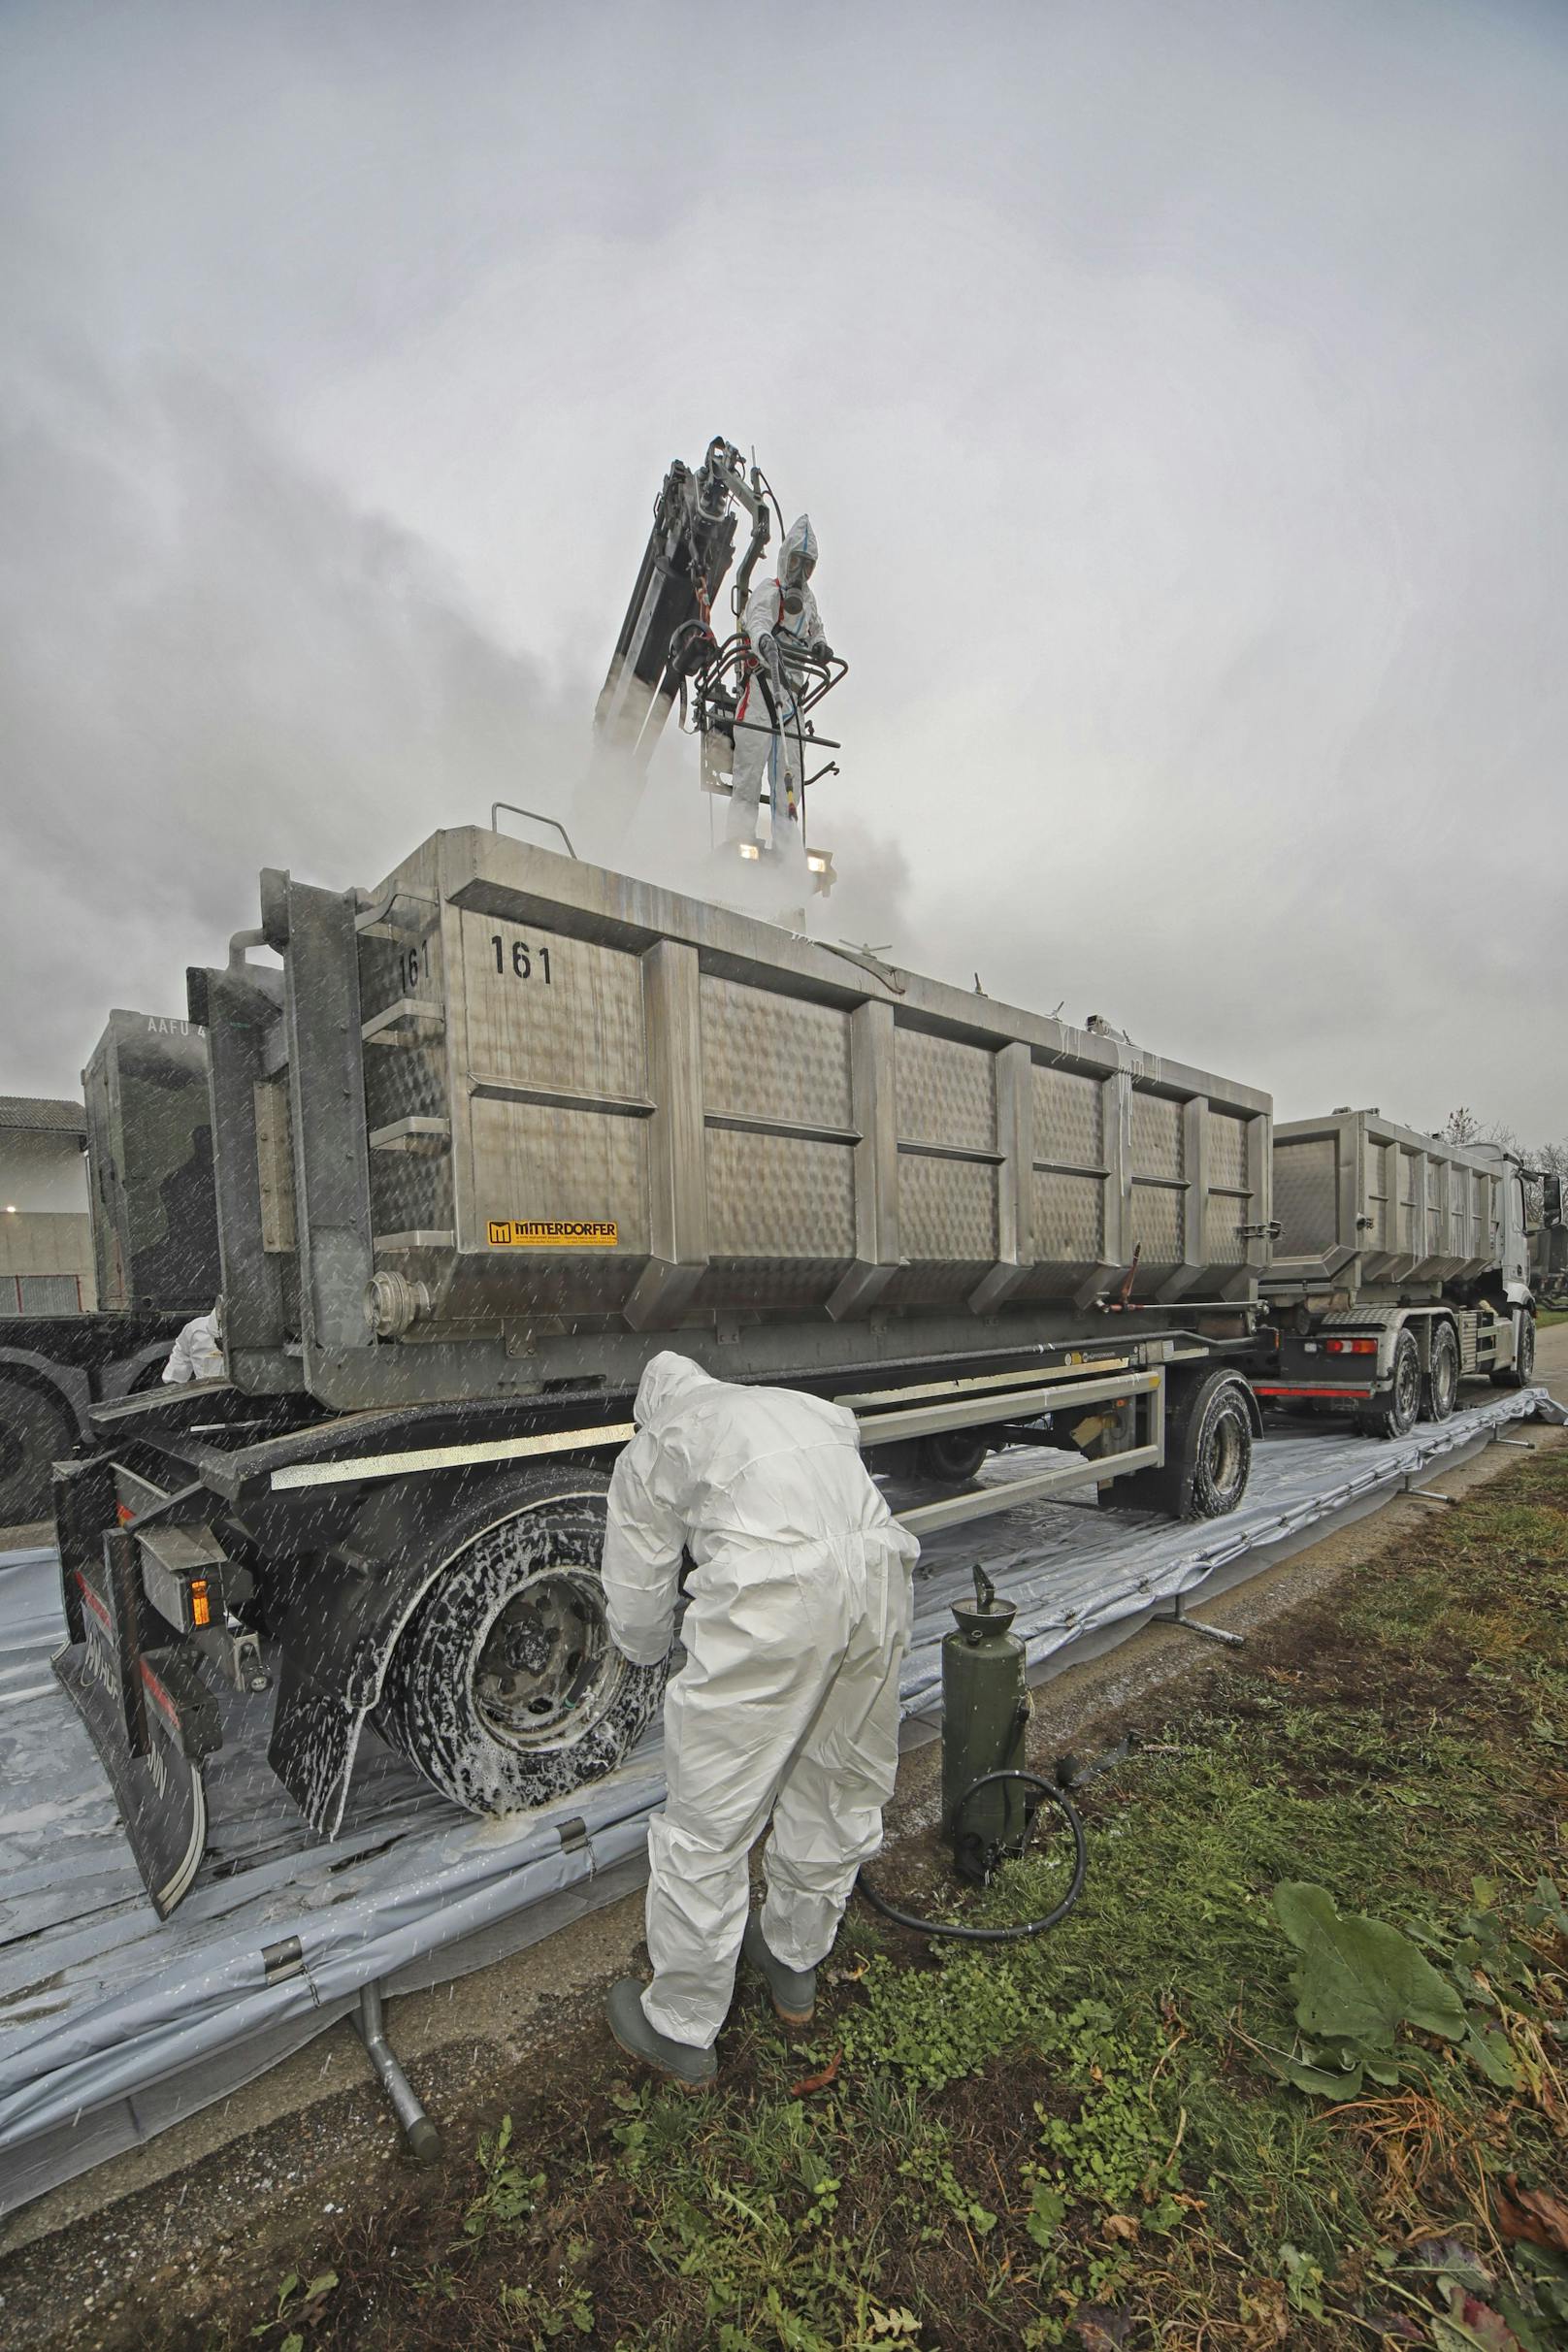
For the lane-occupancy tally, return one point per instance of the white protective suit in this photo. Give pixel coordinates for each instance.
(798, 1617)
(198, 1353)
(775, 756)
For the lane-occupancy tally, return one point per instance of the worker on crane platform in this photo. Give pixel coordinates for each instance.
(787, 1707)
(782, 612)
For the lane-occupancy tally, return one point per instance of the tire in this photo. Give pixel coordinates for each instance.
(1208, 1452)
(1440, 1383)
(1521, 1371)
(504, 1688)
(954, 1456)
(1397, 1410)
(34, 1432)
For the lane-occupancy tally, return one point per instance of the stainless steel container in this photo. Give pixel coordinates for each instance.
(524, 1114)
(1364, 1205)
(149, 1144)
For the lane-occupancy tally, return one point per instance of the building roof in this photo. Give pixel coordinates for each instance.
(41, 1114)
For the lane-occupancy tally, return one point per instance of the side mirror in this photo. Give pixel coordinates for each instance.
(1552, 1200)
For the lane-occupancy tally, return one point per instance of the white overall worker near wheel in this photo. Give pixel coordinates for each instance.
(787, 1708)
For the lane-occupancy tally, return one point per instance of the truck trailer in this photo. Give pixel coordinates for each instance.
(490, 1135)
(155, 1231)
(1548, 1255)
(1400, 1267)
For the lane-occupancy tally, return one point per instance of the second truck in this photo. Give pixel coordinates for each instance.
(1400, 1266)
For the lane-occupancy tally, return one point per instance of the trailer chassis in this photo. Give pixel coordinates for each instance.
(216, 1541)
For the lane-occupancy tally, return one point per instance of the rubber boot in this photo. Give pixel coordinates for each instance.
(794, 1990)
(681, 2061)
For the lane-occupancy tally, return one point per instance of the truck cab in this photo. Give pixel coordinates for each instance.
(1516, 1229)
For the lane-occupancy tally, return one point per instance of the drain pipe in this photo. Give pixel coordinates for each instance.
(421, 2135)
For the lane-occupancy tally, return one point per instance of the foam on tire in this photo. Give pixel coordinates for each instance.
(429, 1709)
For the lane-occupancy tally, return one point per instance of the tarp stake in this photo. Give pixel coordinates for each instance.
(1211, 1633)
(421, 2135)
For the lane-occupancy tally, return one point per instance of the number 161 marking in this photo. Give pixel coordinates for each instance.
(523, 959)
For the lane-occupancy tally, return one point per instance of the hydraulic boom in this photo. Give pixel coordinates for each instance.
(665, 634)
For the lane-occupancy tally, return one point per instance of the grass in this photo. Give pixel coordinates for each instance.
(1086, 2140)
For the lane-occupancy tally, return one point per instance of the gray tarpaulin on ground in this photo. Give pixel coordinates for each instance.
(113, 2026)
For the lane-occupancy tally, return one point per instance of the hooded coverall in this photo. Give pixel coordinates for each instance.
(797, 1620)
(198, 1352)
(775, 755)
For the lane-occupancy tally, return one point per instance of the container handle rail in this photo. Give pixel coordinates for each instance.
(535, 816)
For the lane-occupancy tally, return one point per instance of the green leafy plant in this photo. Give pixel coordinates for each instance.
(1303, 2282)
(510, 2192)
(550, 2315)
(933, 2169)
(1358, 1981)
(296, 2308)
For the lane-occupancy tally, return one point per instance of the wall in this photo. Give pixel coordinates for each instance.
(41, 1172)
(44, 1224)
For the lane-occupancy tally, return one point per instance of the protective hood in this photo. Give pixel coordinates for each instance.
(667, 1380)
(798, 557)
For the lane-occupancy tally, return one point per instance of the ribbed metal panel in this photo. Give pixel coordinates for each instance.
(1363, 1201)
(585, 1098)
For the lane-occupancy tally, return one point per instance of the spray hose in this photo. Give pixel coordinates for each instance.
(1024, 1927)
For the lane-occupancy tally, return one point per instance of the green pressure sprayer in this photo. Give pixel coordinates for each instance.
(989, 1801)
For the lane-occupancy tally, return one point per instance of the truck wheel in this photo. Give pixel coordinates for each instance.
(1440, 1388)
(504, 1688)
(953, 1456)
(1394, 1412)
(1521, 1371)
(34, 1432)
(1208, 1452)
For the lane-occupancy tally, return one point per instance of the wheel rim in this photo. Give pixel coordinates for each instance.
(1406, 1385)
(1226, 1452)
(953, 1455)
(1526, 1349)
(546, 1661)
(1445, 1378)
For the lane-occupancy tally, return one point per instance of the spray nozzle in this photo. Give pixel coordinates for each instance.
(985, 1614)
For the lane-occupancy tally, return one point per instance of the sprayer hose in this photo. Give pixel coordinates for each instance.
(1024, 1927)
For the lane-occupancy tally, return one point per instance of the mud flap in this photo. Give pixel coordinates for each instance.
(151, 1718)
(315, 1736)
(334, 1663)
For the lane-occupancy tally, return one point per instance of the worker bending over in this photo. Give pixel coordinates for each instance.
(797, 1617)
(781, 614)
(198, 1353)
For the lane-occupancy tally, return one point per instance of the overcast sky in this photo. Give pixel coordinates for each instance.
(1178, 393)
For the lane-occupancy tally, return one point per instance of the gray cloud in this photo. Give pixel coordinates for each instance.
(214, 662)
(1179, 396)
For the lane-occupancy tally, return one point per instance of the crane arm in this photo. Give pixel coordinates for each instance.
(666, 628)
